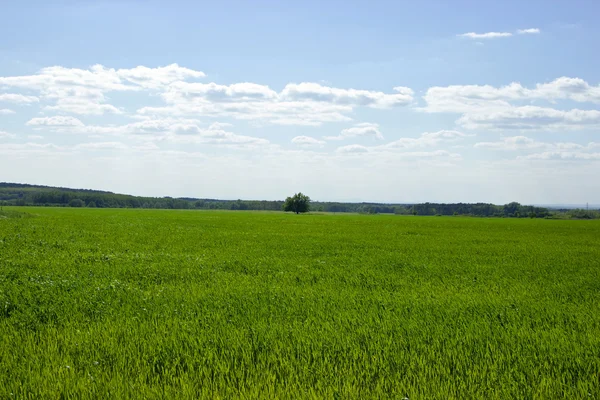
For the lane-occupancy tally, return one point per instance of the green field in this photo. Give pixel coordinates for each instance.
(99, 303)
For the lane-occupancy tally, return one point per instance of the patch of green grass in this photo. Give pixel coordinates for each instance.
(4, 214)
(99, 303)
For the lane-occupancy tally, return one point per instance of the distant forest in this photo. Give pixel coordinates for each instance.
(33, 195)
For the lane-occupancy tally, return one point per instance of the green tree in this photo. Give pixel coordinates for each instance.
(76, 203)
(298, 203)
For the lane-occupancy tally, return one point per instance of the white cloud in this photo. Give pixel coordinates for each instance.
(431, 154)
(155, 78)
(18, 98)
(496, 35)
(147, 146)
(169, 129)
(85, 92)
(575, 89)
(28, 149)
(427, 139)
(82, 106)
(529, 118)
(352, 97)
(562, 156)
(7, 135)
(528, 31)
(218, 93)
(385, 153)
(511, 143)
(279, 113)
(98, 77)
(445, 135)
(220, 125)
(462, 98)
(57, 120)
(6, 111)
(217, 137)
(82, 91)
(309, 104)
(35, 137)
(516, 143)
(101, 146)
(307, 141)
(397, 149)
(365, 129)
(500, 107)
(487, 35)
(352, 148)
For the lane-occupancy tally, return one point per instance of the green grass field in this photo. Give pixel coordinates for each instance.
(99, 303)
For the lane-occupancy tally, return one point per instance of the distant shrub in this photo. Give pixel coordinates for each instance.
(76, 203)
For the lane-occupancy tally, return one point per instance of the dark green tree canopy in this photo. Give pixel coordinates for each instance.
(76, 203)
(298, 203)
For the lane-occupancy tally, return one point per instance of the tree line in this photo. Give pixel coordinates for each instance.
(33, 195)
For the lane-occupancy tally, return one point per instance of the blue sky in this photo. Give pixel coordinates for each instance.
(353, 101)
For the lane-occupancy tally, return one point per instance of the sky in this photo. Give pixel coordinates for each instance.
(385, 101)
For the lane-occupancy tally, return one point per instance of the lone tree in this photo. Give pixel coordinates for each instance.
(298, 203)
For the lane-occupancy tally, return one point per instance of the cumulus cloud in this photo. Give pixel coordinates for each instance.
(214, 92)
(511, 143)
(562, 156)
(461, 98)
(528, 31)
(398, 149)
(427, 139)
(274, 112)
(168, 129)
(496, 35)
(18, 98)
(487, 35)
(352, 148)
(147, 146)
(530, 117)
(365, 129)
(101, 146)
(155, 78)
(516, 143)
(575, 89)
(485, 106)
(220, 125)
(82, 91)
(352, 97)
(431, 154)
(29, 149)
(58, 120)
(6, 135)
(82, 106)
(98, 77)
(445, 135)
(381, 152)
(309, 104)
(217, 137)
(86, 92)
(307, 141)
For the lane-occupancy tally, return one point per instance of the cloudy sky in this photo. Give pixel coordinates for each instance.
(397, 101)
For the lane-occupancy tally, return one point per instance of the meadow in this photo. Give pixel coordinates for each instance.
(117, 303)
